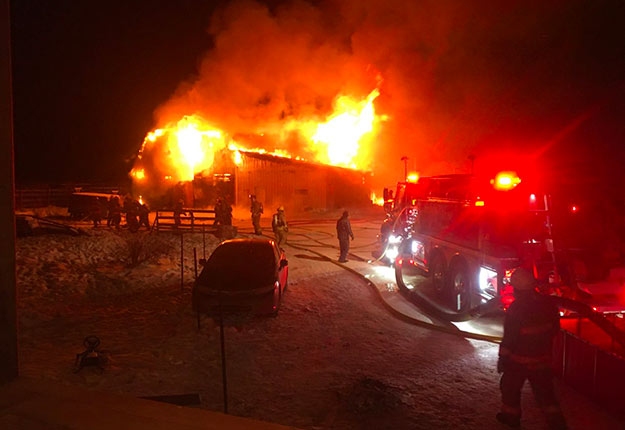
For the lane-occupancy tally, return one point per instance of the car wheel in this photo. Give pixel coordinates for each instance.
(459, 287)
(277, 305)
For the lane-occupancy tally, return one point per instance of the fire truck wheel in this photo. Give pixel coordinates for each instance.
(459, 287)
(437, 273)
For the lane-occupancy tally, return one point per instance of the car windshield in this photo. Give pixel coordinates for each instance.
(240, 266)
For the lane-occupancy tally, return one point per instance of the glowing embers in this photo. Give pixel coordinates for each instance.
(505, 181)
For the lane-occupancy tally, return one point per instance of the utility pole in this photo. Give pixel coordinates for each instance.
(8, 296)
(405, 160)
(472, 158)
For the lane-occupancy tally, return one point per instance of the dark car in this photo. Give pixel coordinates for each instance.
(245, 276)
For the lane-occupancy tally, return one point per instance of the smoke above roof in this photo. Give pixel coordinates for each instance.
(455, 78)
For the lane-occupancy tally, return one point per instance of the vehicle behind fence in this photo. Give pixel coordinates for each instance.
(59, 195)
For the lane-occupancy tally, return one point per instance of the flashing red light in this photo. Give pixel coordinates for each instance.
(533, 198)
(413, 177)
(574, 208)
(594, 308)
(505, 181)
(400, 261)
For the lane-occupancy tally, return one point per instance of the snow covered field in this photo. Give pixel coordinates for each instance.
(333, 358)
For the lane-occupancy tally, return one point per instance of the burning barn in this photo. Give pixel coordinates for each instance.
(299, 185)
(199, 165)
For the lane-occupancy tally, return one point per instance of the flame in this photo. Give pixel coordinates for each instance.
(237, 158)
(140, 200)
(184, 148)
(341, 134)
(190, 145)
(378, 201)
(138, 174)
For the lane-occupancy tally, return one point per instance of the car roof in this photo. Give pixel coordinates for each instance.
(242, 241)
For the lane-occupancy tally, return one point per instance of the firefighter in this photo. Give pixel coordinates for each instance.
(96, 212)
(530, 325)
(130, 208)
(219, 212)
(226, 213)
(144, 216)
(178, 210)
(344, 232)
(115, 212)
(256, 208)
(280, 226)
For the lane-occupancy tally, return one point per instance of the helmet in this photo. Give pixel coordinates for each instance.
(522, 280)
(281, 209)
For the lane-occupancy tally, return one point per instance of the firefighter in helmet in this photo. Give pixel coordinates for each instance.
(256, 208)
(280, 226)
(178, 211)
(531, 323)
(344, 233)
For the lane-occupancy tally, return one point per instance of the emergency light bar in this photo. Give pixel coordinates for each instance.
(505, 181)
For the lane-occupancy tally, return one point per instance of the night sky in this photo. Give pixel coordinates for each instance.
(88, 76)
(482, 78)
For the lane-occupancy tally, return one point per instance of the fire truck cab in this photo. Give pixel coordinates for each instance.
(467, 234)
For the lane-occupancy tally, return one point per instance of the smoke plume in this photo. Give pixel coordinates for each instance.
(455, 78)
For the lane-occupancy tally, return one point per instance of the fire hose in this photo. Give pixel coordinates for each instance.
(563, 303)
(449, 329)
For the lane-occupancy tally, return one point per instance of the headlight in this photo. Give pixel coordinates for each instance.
(392, 253)
(394, 239)
(488, 279)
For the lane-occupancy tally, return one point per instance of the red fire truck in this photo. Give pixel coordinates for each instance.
(467, 234)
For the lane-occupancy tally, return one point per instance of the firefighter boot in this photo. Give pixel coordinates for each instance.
(509, 419)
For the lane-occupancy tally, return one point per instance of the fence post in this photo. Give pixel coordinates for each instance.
(203, 242)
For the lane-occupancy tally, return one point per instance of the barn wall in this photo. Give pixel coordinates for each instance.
(276, 183)
(298, 186)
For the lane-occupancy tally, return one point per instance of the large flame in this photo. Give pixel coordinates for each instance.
(342, 133)
(182, 149)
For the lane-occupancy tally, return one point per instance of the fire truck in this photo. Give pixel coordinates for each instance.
(467, 234)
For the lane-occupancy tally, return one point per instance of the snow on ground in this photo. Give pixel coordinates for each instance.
(332, 359)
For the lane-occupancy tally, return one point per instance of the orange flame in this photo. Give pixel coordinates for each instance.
(378, 201)
(187, 147)
(342, 133)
